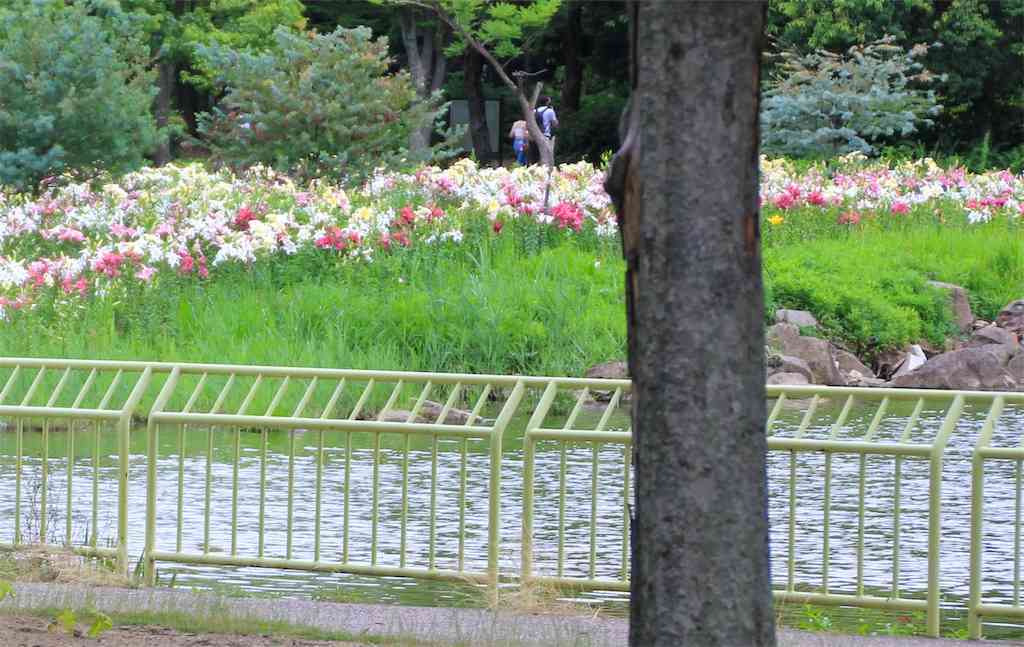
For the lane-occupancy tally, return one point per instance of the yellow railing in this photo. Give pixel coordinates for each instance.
(577, 431)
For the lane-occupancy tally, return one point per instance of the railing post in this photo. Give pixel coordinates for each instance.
(977, 513)
(977, 505)
(526, 544)
(494, 523)
(152, 451)
(935, 512)
(124, 426)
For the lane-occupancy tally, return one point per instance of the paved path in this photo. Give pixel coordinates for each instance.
(477, 627)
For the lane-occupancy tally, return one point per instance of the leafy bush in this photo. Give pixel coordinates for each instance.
(320, 105)
(825, 104)
(75, 93)
(592, 129)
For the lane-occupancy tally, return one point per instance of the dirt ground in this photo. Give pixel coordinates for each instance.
(30, 631)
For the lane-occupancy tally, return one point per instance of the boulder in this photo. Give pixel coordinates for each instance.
(396, 415)
(962, 315)
(1016, 369)
(871, 382)
(788, 379)
(1011, 317)
(615, 370)
(848, 362)
(799, 318)
(992, 335)
(914, 359)
(430, 411)
(887, 362)
(788, 364)
(979, 368)
(817, 353)
(780, 334)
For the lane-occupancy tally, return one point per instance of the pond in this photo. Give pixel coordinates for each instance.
(1001, 490)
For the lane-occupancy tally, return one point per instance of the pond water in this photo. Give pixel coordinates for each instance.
(1001, 490)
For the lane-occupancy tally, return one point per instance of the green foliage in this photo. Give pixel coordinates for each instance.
(75, 92)
(6, 590)
(823, 104)
(500, 27)
(179, 29)
(67, 620)
(868, 289)
(982, 55)
(442, 307)
(594, 128)
(100, 624)
(320, 105)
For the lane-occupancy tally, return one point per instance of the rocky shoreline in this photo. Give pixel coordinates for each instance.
(985, 356)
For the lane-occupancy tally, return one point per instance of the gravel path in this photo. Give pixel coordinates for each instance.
(477, 627)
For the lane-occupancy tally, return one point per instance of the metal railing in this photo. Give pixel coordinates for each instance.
(237, 507)
(85, 399)
(827, 423)
(348, 409)
(572, 434)
(987, 454)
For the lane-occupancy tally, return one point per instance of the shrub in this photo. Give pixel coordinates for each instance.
(320, 105)
(75, 94)
(592, 129)
(827, 104)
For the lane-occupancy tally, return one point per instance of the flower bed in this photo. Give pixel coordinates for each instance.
(76, 242)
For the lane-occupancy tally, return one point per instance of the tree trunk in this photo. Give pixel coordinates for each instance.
(473, 65)
(686, 186)
(166, 78)
(573, 86)
(421, 69)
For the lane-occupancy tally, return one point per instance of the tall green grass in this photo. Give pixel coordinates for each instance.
(870, 289)
(491, 309)
(511, 305)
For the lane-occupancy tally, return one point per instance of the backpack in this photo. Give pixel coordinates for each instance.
(539, 115)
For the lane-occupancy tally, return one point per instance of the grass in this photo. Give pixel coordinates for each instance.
(215, 621)
(514, 305)
(493, 310)
(869, 290)
(45, 564)
(875, 622)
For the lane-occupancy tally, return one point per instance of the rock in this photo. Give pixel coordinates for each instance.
(979, 368)
(816, 352)
(396, 415)
(848, 363)
(871, 382)
(430, 411)
(962, 315)
(1011, 317)
(914, 359)
(992, 335)
(888, 361)
(788, 364)
(931, 350)
(788, 379)
(1016, 368)
(799, 318)
(615, 370)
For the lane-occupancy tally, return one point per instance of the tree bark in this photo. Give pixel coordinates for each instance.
(685, 183)
(573, 87)
(473, 65)
(427, 66)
